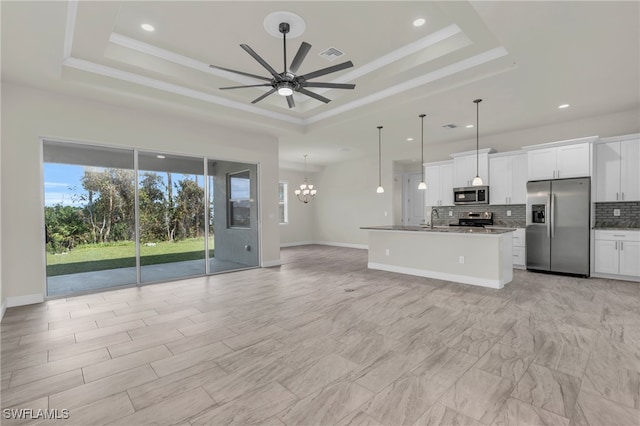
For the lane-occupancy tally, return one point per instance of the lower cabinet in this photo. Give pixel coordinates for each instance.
(617, 253)
(519, 253)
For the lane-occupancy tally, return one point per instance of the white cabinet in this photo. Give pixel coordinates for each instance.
(559, 162)
(617, 253)
(464, 167)
(508, 176)
(439, 178)
(519, 248)
(617, 170)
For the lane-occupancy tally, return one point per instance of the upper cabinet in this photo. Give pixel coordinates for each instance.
(559, 160)
(464, 167)
(617, 170)
(508, 176)
(439, 178)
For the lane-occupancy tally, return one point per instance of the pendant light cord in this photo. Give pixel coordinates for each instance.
(477, 102)
(379, 157)
(422, 145)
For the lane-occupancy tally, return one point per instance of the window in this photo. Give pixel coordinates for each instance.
(283, 202)
(239, 200)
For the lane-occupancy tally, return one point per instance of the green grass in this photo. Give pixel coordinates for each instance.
(99, 257)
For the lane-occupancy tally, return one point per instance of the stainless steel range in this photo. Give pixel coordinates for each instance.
(474, 219)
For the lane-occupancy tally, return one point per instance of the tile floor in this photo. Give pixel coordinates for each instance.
(289, 345)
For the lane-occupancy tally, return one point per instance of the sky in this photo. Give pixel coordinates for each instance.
(62, 184)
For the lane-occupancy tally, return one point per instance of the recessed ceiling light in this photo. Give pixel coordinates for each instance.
(147, 27)
(563, 106)
(162, 157)
(409, 139)
(419, 22)
(469, 126)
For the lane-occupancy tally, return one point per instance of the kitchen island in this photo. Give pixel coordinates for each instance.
(477, 256)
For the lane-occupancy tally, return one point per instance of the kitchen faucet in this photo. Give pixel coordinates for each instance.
(434, 210)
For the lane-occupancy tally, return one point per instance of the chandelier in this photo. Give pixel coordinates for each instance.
(306, 192)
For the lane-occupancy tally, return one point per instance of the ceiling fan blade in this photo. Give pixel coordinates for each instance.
(297, 60)
(258, 99)
(290, 101)
(261, 61)
(329, 85)
(327, 70)
(314, 95)
(242, 87)
(240, 72)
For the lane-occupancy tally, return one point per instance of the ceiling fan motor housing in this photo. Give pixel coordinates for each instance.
(284, 28)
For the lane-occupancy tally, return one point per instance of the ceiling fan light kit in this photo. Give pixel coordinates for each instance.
(287, 82)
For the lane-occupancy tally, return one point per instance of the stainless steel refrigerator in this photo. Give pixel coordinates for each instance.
(558, 225)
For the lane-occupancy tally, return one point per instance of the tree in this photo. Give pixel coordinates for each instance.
(65, 227)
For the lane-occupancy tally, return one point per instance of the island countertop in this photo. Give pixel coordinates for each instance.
(441, 229)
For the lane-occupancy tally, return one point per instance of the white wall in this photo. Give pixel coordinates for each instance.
(302, 217)
(28, 114)
(350, 201)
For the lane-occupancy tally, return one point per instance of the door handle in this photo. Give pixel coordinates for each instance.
(554, 174)
(621, 245)
(553, 213)
(558, 173)
(616, 245)
(616, 196)
(546, 215)
(623, 196)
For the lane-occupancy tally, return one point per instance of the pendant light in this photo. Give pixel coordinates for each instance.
(380, 189)
(306, 192)
(422, 184)
(477, 181)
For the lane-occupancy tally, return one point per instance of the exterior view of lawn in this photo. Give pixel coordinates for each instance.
(98, 257)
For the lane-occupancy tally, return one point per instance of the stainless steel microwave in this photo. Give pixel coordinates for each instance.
(471, 195)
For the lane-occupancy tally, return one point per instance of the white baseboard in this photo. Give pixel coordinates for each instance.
(270, 263)
(347, 245)
(28, 299)
(482, 282)
(299, 243)
(3, 309)
(615, 277)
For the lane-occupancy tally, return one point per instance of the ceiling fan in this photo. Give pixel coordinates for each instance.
(287, 82)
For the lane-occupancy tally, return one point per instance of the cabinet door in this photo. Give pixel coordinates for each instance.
(500, 176)
(446, 184)
(541, 164)
(630, 170)
(464, 170)
(629, 255)
(573, 161)
(606, 256)
(432, 175)
(608, 172)
(518, 179)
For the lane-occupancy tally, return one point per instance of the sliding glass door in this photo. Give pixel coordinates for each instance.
(117, 217)
(89, 217)
(172, 216)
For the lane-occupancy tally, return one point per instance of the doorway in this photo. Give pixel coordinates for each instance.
(413, 199)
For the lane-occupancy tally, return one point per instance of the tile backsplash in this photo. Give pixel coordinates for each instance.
(516, 220)
(629, 215)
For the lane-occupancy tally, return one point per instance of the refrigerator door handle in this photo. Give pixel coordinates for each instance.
(546, 215)
(552, 197)
(621, 245)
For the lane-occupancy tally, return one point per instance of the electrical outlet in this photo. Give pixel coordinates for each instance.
(616, 212)
(509, 213)
(387, 252)
(450, 213)
(461, 259)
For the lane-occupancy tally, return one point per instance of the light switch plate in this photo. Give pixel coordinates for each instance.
(616, 212)
(450, 213)
(509, 213)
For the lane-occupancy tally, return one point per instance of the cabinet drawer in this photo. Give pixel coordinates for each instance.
(519, 237)
(518, 256)
(624, 235)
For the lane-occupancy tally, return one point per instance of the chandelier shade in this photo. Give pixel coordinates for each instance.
(307, 192)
